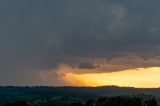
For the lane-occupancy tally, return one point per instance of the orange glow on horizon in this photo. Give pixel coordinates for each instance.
(139, 78)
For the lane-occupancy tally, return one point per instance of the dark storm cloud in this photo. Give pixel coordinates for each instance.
(88, 66)
(40, 34)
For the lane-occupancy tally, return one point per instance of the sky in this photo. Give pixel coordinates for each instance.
(80, 43)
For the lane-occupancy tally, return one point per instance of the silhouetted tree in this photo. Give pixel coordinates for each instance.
(51, 104)
(18, 103)
(151, 102)
(90, 103)
(126, 101)
(76, 104)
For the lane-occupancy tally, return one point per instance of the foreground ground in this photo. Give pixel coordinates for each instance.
(78, 96)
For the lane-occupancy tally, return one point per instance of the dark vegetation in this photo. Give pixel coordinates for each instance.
(78, 96)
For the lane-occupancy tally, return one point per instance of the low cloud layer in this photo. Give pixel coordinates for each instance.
(109, 35)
